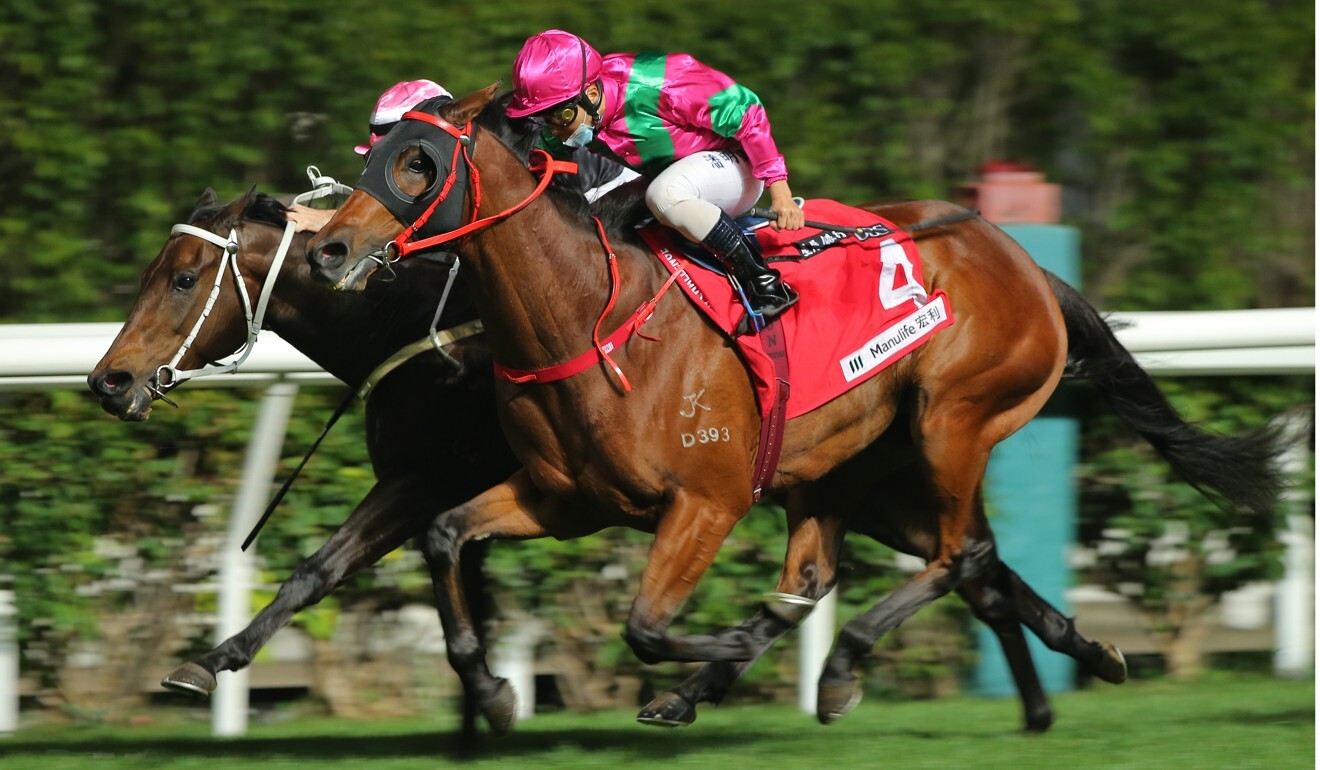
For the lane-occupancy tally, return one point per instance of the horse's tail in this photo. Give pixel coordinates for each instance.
(1231, 470)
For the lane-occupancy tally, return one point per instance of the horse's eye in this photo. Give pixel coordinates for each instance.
(184, 282)
(418, 165)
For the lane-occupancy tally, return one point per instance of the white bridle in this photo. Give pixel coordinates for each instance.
(323, 186)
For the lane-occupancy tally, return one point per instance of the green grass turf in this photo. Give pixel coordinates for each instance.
(1221, 721)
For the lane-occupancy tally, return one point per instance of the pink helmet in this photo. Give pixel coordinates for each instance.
(398, 99)
(551, 68)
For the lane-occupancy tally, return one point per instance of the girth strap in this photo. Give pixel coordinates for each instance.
(772, 422)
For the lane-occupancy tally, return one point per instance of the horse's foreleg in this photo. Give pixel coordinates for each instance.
(392, 512)
(476, 589)
(690, 534)
(808, 574)
(513, 510)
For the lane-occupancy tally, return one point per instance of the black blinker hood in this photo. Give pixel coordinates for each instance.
(377, 179)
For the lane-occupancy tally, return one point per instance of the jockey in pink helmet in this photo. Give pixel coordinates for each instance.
(702, 139)
(396, 100)
(389, 109)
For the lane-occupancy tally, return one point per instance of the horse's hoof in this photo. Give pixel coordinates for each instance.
(190, 679)
(669, 709)
(835, 700)
(501, 708)
(1040, 721)
(1113, 666)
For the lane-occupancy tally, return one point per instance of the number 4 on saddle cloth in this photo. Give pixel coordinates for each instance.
(861, 308)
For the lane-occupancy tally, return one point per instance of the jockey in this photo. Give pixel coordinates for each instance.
(703, 140)
(396, 100)
(598, 177)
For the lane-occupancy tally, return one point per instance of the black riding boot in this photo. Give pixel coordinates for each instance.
(766, 291)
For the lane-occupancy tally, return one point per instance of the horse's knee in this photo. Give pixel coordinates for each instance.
(646, 642)
(442, 542)
(978, 559)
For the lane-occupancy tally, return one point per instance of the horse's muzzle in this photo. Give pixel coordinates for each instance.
(121, 395)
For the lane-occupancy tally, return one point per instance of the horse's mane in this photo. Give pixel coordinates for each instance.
(266, 210)
(619, 211)
(206, 212)
(258, 207)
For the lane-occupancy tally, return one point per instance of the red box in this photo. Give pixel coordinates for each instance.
(1011, 193)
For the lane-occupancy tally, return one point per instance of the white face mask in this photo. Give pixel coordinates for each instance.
(581, 136)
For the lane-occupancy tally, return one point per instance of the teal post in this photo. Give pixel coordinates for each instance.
(1031, 496)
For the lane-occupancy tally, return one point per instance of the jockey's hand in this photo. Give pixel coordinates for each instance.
(309, 220)
(789, 214)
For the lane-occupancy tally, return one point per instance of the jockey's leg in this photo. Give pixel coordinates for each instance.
(695, 196)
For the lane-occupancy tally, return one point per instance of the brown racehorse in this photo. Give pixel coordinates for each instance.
(401, 431)
(432, 431)
(595, 455)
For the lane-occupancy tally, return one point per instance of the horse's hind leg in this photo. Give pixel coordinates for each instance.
(963, 548)
(513, 510)
(994, 607)
(1004, 602)
(1056, 630)
(809, 572)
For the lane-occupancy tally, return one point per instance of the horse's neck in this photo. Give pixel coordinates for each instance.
(346, 334)
(543, 281)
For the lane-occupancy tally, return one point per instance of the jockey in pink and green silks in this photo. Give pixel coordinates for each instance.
(702, 139)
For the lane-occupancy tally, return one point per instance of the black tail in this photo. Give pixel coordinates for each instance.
(1231, 470)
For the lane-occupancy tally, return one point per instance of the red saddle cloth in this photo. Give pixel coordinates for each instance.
(861, 308)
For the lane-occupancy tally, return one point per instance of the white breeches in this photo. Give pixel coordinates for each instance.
(690, 194)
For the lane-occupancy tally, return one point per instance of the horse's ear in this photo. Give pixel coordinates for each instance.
(208, 199)
(466, 109)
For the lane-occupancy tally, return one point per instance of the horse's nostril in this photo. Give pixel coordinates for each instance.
(112, 383)
(333, 252)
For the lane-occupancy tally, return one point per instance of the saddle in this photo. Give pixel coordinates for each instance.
(863, 304)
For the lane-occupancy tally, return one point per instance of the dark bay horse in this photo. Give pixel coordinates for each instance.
(901, 457)
(432, 438)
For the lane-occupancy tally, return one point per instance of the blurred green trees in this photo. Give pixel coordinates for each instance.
(1183, 134)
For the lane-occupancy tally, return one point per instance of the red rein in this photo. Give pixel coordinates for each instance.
(547, 166)
(601, 350)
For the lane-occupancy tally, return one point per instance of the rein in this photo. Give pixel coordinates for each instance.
(546, 166)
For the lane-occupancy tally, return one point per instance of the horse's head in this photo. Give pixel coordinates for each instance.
(176, 288)
(416, 171)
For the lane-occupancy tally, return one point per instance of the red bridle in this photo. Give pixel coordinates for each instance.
(545, 165)
(542, 164)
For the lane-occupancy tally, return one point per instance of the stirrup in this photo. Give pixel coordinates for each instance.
(755, 319)
(776, 304)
